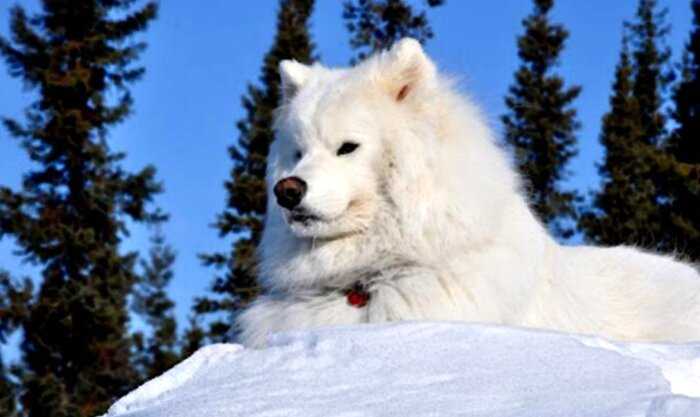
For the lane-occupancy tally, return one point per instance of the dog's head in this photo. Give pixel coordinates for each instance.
(338, 131)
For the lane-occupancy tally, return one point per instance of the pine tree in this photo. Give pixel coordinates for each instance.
(682, 191)
(540, 125)
(8, 393)
(158, 352)
(193, 338)
(615, 212)
(245, 207)
(375, 25)
(650, 59)
(70, 214)
(627, 208)
(14, 298)
(683, 143)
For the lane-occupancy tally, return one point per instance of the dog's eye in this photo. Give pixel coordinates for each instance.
(347, 147)
(297, 155)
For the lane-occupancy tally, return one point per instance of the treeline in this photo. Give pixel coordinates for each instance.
(650, 191)
(71, 213)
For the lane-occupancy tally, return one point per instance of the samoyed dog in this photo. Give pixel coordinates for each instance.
(389, 199)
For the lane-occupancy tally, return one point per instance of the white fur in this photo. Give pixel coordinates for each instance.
(429, 213)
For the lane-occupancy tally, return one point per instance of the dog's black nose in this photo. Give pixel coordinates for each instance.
(289, 192)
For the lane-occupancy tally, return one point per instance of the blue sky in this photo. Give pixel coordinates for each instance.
(200, 59)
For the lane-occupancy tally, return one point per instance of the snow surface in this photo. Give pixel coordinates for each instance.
(427, 369)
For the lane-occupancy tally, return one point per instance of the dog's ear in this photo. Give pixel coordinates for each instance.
(406, 67)
(293, 76)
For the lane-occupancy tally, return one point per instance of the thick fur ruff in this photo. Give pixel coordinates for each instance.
(428, 214)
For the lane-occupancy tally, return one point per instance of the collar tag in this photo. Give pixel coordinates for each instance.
(357, 295)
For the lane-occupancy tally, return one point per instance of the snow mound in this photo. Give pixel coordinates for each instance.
(427, 369)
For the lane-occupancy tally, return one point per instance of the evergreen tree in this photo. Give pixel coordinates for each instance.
(156, 353)
(616, 205)
(8, 394)
(14, 298)
(540, 125)
(246, 195)
(627, 209)
(69, 216)
(683, 143)
(682, 192)
(650, 59)
(193, 338)
(375, 25)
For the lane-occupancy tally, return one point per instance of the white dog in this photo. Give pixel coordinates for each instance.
(389, 199)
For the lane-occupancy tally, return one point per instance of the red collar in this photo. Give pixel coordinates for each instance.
(357, 295)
